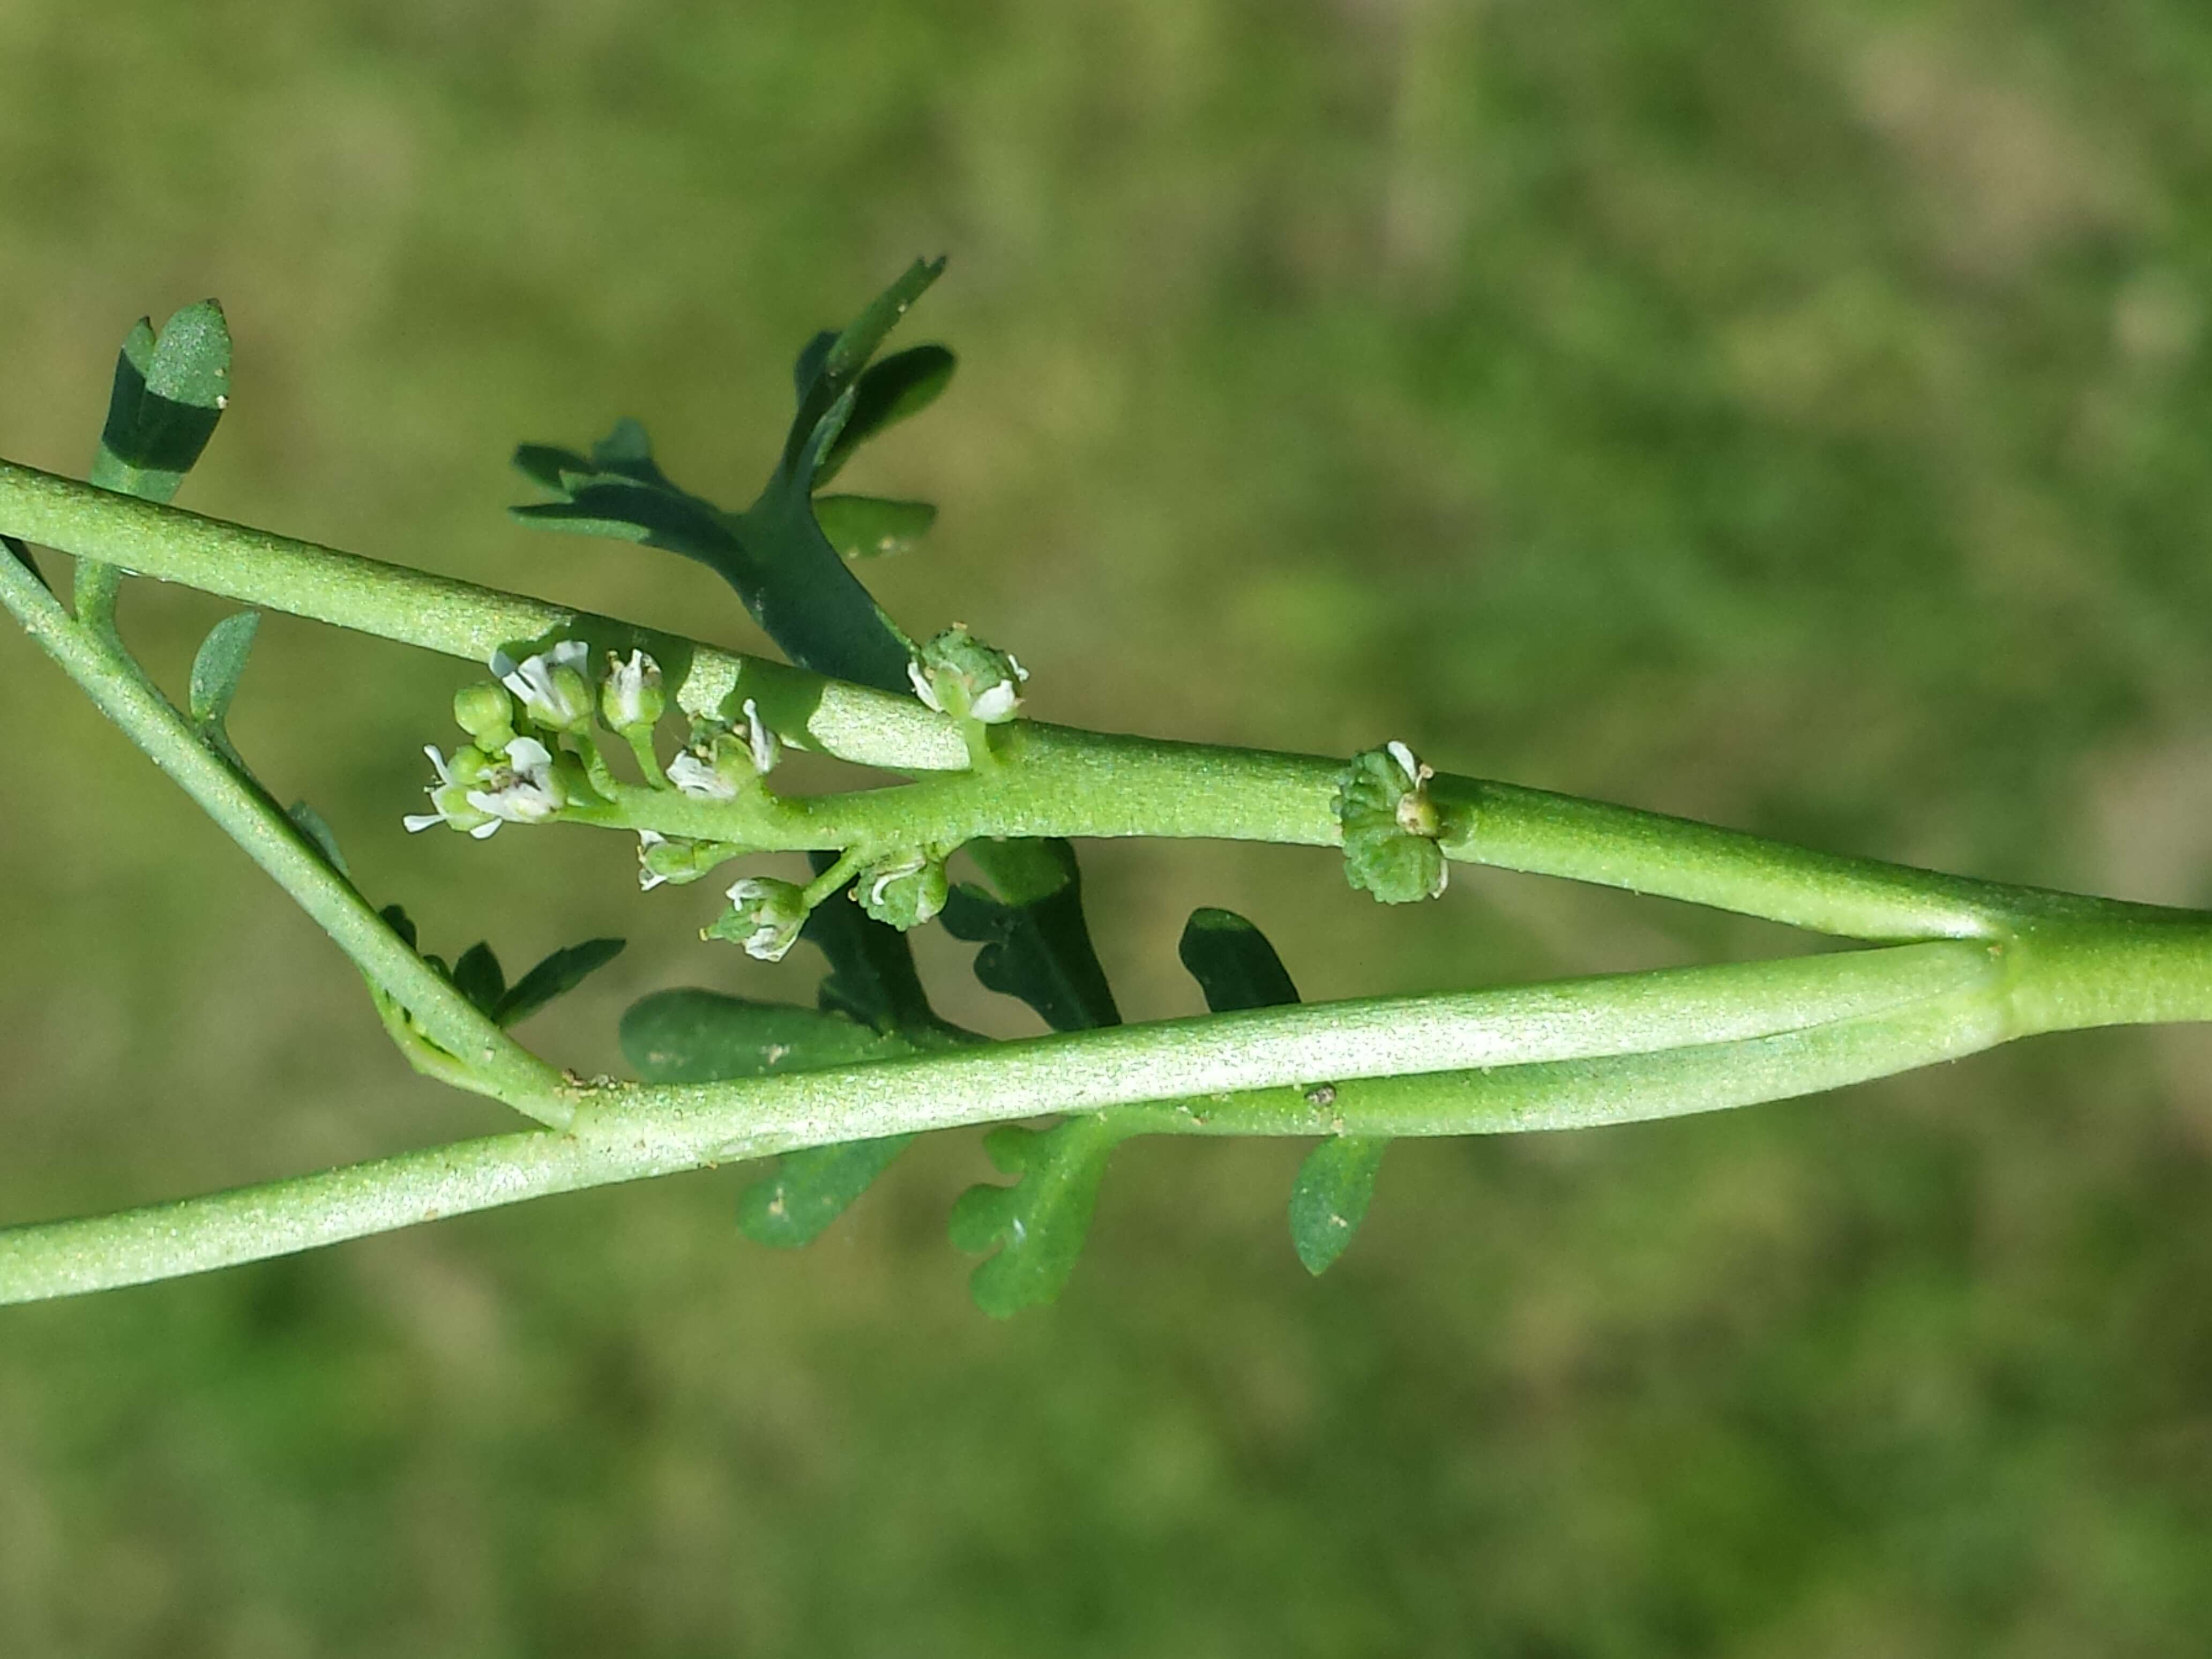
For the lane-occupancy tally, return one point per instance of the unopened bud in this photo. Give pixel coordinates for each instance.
(631, 699)
(486, 713)
(673, 861)
(764, 916)
(956, 674)
(904, 892)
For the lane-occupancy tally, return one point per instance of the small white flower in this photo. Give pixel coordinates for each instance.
(631, 697)
(696, 775)
(555, 698)
(524, 790)
(449, 796)
(765, 917)
(760, 740)
(956, 674)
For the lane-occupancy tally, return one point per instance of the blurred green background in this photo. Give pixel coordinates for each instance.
(1788, 415)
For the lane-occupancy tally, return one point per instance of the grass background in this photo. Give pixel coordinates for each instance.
(1788, 414)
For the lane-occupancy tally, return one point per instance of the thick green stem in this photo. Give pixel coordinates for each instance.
(457, 618)
(1570, 1055)
(1601, 1050)
(1054, 781)
(497, 1064)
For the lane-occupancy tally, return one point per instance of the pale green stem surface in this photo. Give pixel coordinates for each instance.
(1576, 1054)
(1056, 780)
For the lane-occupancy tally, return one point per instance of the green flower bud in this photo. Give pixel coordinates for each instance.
(631, 698)
(764, 916)
(957, 674)
(674, 860)
(486, 713)
(1391, 826)
(904, 892)
(449, 796)
(553, 687)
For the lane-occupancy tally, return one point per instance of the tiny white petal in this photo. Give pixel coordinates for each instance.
(921, 688)
(759, 739)
(438, 762)
(484, 831)
(570, 654)
(1407, 764)
(694, 776)
(998, 704)
(418, 822)
(528, 754)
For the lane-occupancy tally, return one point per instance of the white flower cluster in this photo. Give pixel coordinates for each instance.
(532, 753)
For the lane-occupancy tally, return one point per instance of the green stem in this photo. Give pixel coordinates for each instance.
(457, 618)
(499, 1065)
(1575, 1054)
(1053, 780)
(1755, 1031)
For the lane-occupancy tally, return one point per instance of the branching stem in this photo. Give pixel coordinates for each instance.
(1969, 964)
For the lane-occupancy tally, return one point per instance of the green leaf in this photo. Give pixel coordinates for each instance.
(1330, 1197)
(699, 1036)
(1035, 945)
(558, 975)
(808, 369)
(850, 351)
(706, 1036)
(21, 555)
(1233, 963)
(809, 1189)
(1038, 1224)
(870, 527)
(217, 667)
(169, 393)
(899, 387)
(775, 556)
(1237, 968)
(478, 976)
(311, 823)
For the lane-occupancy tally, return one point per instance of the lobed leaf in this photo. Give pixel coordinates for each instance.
(1037, 1226)
(1035, 944)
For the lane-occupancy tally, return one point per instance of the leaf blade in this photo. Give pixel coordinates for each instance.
(217, 667)
(555, 976)
(1233, 963)
(1329, 1199)
(169, 392)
